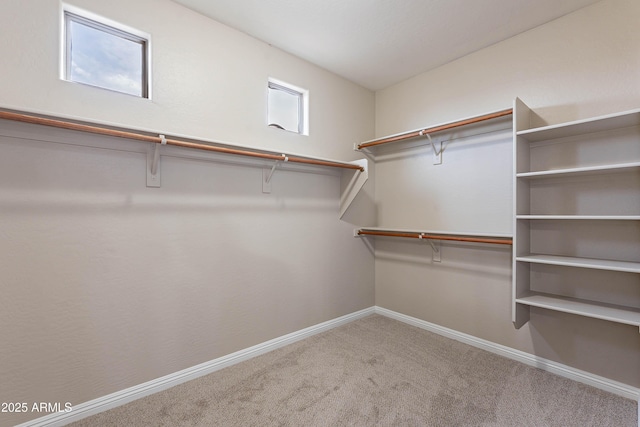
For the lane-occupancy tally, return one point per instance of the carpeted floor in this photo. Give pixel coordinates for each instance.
(376, 372)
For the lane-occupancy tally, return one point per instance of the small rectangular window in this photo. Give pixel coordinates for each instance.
(287, 107)
(101, 55)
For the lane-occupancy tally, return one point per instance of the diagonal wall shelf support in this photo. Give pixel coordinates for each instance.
(351, 182)
(267, 174)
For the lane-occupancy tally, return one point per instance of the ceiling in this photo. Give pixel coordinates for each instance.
(377, 43)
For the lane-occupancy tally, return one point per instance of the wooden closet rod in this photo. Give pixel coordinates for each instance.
(157, 139)
(439, 128)
(505, 241)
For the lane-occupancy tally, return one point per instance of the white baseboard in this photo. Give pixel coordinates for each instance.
(122, 397)
(565, 371)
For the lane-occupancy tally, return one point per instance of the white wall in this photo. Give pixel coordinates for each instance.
(208, 80)
(107, 283)
(584, 64)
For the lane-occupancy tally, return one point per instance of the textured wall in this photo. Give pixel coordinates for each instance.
(208, 79)
(584, 64)
(107, 283)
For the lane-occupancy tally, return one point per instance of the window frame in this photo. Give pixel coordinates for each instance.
(73, 14)
(303, 104)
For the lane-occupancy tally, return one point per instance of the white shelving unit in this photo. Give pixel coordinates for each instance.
(576, 207)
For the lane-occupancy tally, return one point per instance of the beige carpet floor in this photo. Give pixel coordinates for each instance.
(376, 372)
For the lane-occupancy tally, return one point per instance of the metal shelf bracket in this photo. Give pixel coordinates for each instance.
(267, 174)
(153, 163)
(434, 245)
(437, 152)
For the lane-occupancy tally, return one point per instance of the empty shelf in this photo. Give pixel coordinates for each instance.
(598, 264)
(587, 170)
(610, 312)
(581, 127)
